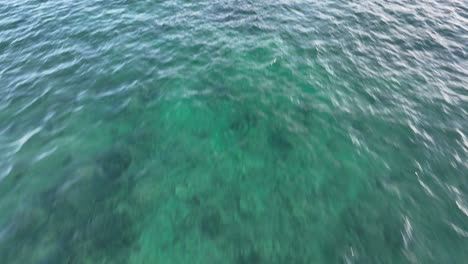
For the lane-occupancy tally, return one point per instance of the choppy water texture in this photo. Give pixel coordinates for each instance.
(233, 131)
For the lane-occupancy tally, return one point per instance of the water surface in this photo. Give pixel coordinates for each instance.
(233, 131)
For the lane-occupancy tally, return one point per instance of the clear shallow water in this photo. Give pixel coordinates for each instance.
(233, 132)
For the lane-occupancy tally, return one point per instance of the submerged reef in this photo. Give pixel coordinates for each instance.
(78, 220)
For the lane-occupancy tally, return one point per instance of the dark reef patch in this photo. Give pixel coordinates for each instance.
(115, 161)
(277, 139)
(243, 122)
(77, 220)
(211, 224)
(249, 257)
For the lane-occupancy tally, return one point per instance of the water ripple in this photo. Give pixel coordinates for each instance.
(274, 131)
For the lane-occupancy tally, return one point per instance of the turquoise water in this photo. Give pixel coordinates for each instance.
(233, 131)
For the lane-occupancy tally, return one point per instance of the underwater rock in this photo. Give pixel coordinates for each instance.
(279, 141)
(78, 193)
(115, 161)
(243, 123)
(110, 231)
(249, 257)
(74, 221)
(90, 182)
(203, 134)
(194, 201)
(211, 224)
(91, 238)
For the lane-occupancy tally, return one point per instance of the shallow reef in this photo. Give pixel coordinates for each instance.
(78, 219)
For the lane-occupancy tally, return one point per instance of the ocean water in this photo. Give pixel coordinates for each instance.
(234, 131)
